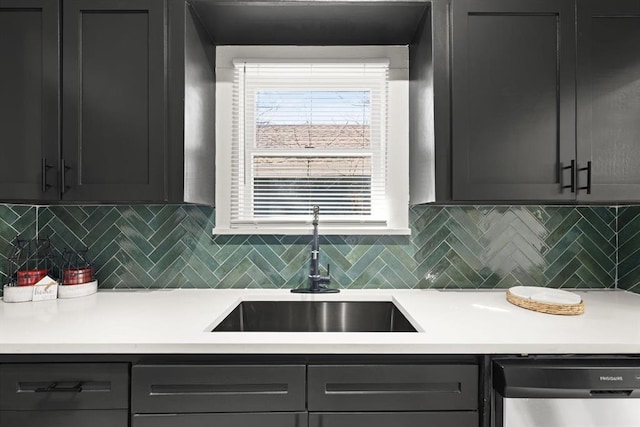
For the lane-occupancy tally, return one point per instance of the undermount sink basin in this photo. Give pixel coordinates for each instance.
(315, 316)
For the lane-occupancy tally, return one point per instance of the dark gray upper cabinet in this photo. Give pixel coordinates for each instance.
(513, 99)
(103, 138)
(113, 106)
(105, 101)
(29, 74)
(608, 119)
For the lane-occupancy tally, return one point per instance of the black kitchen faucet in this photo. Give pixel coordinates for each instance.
(317, 282)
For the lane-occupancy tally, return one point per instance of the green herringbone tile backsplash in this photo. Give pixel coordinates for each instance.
(464, 247)
(15, 220)
(629, 248)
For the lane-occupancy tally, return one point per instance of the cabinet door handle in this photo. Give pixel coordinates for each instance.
(588, 169)
(571, 167)
(54, 388)
(63, 181)
(45, 168)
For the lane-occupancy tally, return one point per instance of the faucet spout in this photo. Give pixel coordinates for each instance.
(317, 282)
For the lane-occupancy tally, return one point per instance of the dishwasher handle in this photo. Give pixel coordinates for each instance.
(567, 378)
(611, 393)
(565, 393)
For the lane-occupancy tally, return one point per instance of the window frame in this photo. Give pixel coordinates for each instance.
(397, 159)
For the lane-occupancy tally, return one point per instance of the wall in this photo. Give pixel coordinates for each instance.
(164, 246)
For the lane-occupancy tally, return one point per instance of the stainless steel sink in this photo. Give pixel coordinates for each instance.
(315, 316)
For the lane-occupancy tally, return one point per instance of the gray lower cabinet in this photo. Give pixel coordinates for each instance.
(262, 419)
(395, 419)
(392, 387)
(297, 395)
(159, 389)
(218, 395)
(93, 418)
(64, 394)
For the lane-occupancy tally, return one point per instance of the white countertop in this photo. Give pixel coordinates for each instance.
(450, 322)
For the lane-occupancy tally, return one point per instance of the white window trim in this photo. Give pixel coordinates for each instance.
(397, 183)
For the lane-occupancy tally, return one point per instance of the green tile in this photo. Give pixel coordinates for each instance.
(559, 280)
(561, 245)
(539, 212)
(529, 277)
(557, 264)
(629, 264)
(465, 269)
(628, 245)
(467, 219)
(137, 225)
(605, 258)
(168, 229)
(433, 264)
(402, 272)
(589, 231)
(627, 215)
(631, 278)
(163, 265)
(507, 282)
(366, 260)
(431, 245)
(126, 246)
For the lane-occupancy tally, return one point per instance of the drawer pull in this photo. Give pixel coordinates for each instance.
(218, 389)
(392, 388)
(56, 388)
(64, 387)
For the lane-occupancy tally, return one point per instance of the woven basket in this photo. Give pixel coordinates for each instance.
(545, 307)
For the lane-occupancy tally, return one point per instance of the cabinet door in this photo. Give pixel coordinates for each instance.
(113, 128)
(63, 386)
(395, 419)
(217, 388)
(513, 99)
(609, 99)
(257, 419)
(94, 418)
(29, 99)
(392, 387)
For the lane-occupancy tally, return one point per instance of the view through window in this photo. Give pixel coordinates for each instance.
(310, 134)
(310, 120)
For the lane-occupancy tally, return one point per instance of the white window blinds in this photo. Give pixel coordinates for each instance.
(309, 133)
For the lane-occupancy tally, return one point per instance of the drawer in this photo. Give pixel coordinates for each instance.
(395, 419)
(58, 386)
(392, 387)
(262, 419)
(95, 418)
(217, 388)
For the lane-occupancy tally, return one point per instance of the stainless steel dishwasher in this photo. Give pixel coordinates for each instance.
(566, 392)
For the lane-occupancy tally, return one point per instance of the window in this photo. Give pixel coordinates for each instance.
(295, 131)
